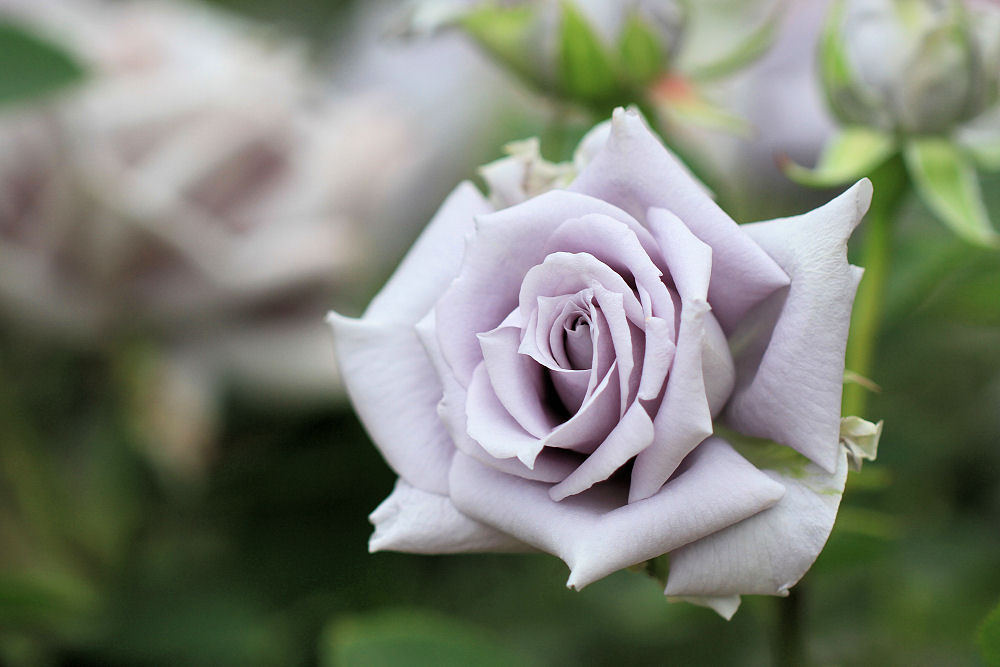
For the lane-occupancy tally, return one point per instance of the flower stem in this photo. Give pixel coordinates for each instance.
(790, 645)
(890, 184)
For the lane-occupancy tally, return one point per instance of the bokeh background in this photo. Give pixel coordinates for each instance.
(182, 481)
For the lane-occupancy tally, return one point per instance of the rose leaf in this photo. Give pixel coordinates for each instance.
(946, 181)
(32, 66)
(852, 153)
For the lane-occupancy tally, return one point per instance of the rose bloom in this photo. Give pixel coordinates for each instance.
(563, 375)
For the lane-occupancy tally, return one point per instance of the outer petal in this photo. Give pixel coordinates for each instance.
(595, 532)
(769, 552)
(395, 391)
(790, 372)
(433, 261)
(725, 606)
(415, 521)
(635, 172)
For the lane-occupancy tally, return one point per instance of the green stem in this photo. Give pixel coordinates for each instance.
(890, 183)
(791, 650)
(28, 475)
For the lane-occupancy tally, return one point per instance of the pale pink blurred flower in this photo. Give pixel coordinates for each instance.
(202, 188)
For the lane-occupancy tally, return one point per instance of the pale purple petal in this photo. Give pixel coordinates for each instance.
(659, 354)
(723, 605)
(684, 418)
(792, 395)
(769, 552)
(631, 435)
(395, 391)
(571, 386)
(615, 244)
(550, 465)
(415, 521)
(517, 380)
(568, 273)
(595, 532)
(635, 172)
(433, 261)
(493, 427)
(505, 246)
(586, 429)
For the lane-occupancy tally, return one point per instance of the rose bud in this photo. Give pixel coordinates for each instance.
(585, 50)
(911, 66)
(586, 372)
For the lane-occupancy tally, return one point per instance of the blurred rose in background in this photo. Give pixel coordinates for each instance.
(207, 188)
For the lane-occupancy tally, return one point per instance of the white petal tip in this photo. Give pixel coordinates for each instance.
(335, 319)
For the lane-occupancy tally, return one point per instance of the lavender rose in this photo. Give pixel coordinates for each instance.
(556, 376)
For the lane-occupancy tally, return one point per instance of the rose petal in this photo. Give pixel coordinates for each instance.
(414, 521)
(432, 262)
(769, 552)
(594, 532)
(629, 437)
(493, 427)
(725, 605)
(792, 394)
(635, 172)
(616, 245)
(684, 418)
(571, 386)
(568, 273)
(517, 380)
(506, 244)
(550, 465)
(595, 419)
(395, 390)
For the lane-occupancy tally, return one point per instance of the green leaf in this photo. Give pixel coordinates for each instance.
(985, 153)
(32, 66)
(756, 44)
(410, 637)
(946, 181)
(642, 54)
(696, 110)
(851, 154)
(505, 33)
(46, 599)
(586, 71)
(989, 637)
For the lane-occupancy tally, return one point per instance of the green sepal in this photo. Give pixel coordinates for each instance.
(655, 568)
(32, 66)
(586, 69)
(989, 637)
(505, 33)
(945, 178)
(753, 47)
(852, 153)
(642, 54)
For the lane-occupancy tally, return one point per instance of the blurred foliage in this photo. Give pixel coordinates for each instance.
(32, 65)
(989, 637)
(411, 637)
